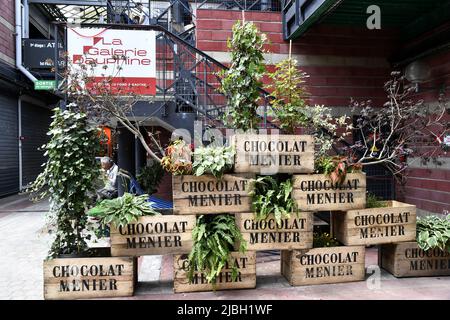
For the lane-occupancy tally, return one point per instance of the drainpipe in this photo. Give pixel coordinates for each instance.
(19, 65)
(19, 111)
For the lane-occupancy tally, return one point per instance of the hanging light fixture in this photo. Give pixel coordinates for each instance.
(417, 72)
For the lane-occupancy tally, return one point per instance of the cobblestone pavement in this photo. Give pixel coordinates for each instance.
(23, 247)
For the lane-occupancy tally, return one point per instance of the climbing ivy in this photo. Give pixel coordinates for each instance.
(68, 178)
(241, 83)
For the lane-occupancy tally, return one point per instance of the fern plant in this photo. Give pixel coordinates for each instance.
(123, 210)
(214, 238)
(272, 196)
(213, 160)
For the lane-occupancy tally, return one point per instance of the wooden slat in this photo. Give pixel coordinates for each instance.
(246, 279)
(207, 195)
(290, 153)
(106, 285)
(360, 227)
(295, 233)
(406, 259)
(298, 270)
(350, 195)
(172, 235)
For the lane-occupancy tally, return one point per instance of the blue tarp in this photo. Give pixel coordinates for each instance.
(158, 203)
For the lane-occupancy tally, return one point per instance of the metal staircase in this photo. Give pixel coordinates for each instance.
(187, 80)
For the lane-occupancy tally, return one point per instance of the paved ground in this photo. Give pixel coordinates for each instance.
(23, 247)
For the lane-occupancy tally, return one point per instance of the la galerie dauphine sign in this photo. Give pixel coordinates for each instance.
(102, 47)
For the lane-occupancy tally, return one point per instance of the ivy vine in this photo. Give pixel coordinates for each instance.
(241, 83)
(68, 178)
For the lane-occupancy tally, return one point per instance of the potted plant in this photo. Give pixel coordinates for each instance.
(150, 177)
(213, 263)
(211, 190)
(327, 262)
(137, 229)
(68, 179)
(275, 222)
(427, 256)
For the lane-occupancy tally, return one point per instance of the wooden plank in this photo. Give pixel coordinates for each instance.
(406, 259)
(316, 192)
(394, 223)
(271, 154)
(324, 265)
(207, 195)
(294, 233)
(84, 278)
(246, 278)
(154, 235)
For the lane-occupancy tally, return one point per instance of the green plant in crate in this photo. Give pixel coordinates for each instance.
(241, 83)
(336, 167)
(178, 158)
(271, 195)
(433, 232)
(324, 239)
(214, 238)
(288, 95)
(123, 210)
(150, 177)
(372, 201)
(213, 160)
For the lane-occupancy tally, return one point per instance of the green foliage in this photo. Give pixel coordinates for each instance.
(68, 178)
(214, 238)
(372, 201)
(335, 167)
(178, 158)
(321, 240)
(241, 83)
(433, 232)
(123, 210)
(288, 93)
(270, 195)
(150, 177)
(213, 160)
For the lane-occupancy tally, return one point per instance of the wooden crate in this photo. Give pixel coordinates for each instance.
(271, 154)
(294, 233)
(84, 278)
(207, 195)
(323, 265)
(394, 223)
(154, 235)
(246, 279)
(316, 192)
(406, 259)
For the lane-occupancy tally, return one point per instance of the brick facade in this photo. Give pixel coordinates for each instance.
(7, 37)
(343, 62)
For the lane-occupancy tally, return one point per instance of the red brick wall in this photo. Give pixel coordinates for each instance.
(429, 188)
(341, 67)
(7, 38)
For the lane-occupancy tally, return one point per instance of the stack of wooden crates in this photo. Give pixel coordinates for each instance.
(393, 227)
